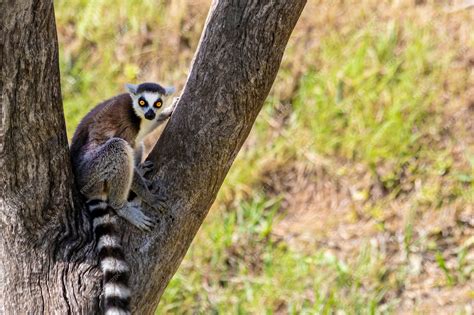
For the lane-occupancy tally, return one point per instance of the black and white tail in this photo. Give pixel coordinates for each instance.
(115, 270)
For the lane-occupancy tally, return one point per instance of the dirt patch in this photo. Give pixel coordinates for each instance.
(431, 251)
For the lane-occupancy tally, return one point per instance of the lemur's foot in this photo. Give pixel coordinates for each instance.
(133, 213)
(156, 202)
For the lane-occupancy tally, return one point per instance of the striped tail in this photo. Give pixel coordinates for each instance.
(115, 270)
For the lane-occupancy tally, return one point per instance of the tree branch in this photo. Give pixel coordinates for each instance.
(233, 70)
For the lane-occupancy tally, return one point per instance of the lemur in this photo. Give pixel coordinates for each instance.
(106, 154)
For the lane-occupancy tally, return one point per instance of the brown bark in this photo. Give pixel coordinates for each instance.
(47, 262)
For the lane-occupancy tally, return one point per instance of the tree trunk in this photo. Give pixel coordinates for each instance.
(47, 259)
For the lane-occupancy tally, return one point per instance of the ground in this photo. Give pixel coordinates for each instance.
(354, 192)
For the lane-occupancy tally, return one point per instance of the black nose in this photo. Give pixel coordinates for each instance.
(150, 115)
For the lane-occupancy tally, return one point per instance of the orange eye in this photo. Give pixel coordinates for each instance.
(141, 102)
(158, 104)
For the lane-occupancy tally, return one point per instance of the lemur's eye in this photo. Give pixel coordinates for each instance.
(141, 102)
(158, 103)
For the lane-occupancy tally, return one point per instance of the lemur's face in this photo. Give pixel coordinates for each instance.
(147, 104)
(148, 99)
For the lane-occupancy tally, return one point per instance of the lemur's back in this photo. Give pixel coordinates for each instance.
(111, 118)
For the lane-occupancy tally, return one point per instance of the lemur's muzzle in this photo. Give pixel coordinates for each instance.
(150, 115)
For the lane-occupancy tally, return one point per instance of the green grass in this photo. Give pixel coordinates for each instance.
(236, 267)
(365, 106)
(372, 97)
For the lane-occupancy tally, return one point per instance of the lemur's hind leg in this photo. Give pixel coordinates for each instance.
(107, 170)
(113, 167)
(119, 183)
(119, 174)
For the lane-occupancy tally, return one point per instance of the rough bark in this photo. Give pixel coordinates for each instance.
(36, 209)
(47, 262)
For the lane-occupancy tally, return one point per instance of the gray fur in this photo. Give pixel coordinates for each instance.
(106, 153)
(131, 88)
(169, 90)
(111, 168)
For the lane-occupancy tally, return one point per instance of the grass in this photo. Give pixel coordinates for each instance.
(354, 192)
(246, 271)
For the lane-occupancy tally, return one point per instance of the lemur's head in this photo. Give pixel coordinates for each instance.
(148, 98)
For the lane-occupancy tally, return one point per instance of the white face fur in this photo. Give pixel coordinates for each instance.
(148, 105)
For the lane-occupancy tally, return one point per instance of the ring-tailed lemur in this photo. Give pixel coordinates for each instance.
(102, 153)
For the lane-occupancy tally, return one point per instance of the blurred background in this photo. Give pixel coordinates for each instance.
(354, 192)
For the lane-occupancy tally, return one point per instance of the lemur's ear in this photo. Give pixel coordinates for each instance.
(131, 88)
(169, 90)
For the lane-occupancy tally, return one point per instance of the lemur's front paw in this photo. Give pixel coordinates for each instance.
(175, 102)
(173, 106)
(133, 213)
(145, 167)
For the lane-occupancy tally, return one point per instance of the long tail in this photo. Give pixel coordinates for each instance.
(115, 270)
